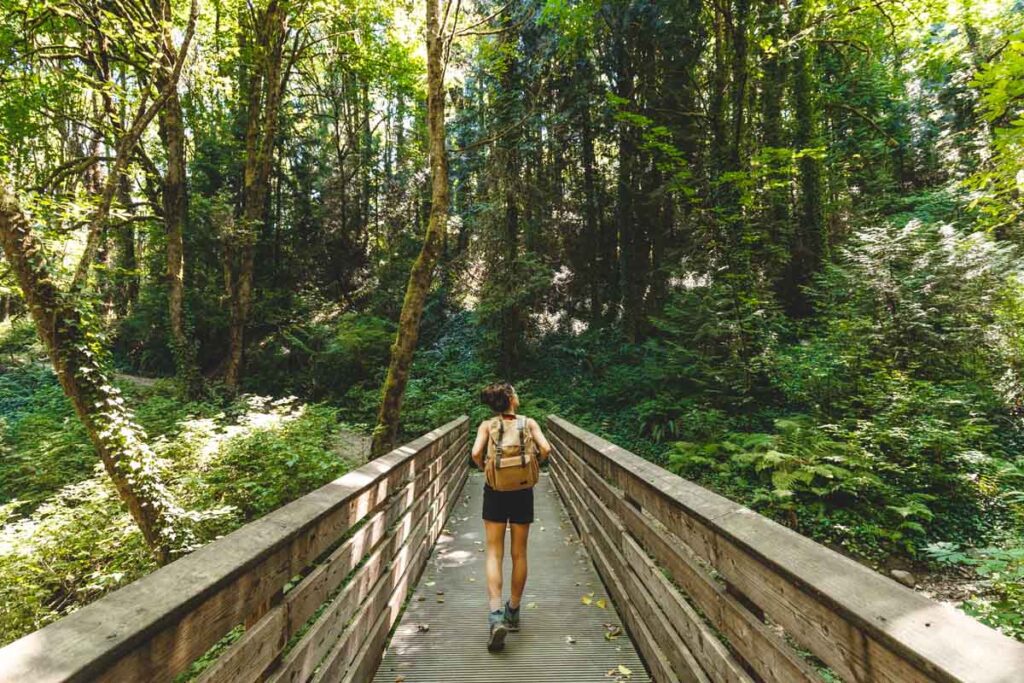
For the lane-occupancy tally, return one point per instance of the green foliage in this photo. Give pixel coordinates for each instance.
(66, 539)
(282, 452)
(72, 549)
(46, 446)
(325, 358)
(1001, 568)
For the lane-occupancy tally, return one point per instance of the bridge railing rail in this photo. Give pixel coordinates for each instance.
(311, 590)
(710, 590)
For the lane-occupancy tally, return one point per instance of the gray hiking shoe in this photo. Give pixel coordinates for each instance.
(511, 617)
(496, 640)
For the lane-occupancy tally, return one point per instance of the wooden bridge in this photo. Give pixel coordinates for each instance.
(377, 576)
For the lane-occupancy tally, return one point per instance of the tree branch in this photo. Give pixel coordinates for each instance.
(123, 153)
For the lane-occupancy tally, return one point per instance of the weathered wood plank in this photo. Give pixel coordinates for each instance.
(364, 663)
(311, 592)
(337, 660)
(306, 597)
(654, 656)
(701, 641)
(876, 627)
(249, 657)
(391, 590)
(154, 627)
(303, 658)
(766, 653)
(367, 659)
(760, 647)
(678, 654)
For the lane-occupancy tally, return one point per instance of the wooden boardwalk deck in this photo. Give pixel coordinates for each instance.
(561, 573)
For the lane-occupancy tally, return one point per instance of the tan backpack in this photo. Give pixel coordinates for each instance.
(516, 468)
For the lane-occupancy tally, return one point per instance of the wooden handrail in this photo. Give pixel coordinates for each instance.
(154, 628)
(687, 566)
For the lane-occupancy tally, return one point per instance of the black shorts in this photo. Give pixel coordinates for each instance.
(508, 506)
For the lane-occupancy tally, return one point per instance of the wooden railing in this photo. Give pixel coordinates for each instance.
(711, 591)
(316, 586)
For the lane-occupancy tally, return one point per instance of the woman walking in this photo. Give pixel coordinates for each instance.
(509, 448)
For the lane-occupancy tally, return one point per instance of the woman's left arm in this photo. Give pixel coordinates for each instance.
(542, 442)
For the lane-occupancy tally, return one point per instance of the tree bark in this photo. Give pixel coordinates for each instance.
(422, 270)
(592, 217)
(778, 227)
(807, 250)
(82, 372)
(264, 105)
(632, 237)
(175, 205)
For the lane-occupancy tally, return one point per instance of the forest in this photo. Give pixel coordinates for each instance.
(773, 246)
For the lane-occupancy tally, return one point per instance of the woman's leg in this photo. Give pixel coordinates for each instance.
(520, 535)
(494, 533)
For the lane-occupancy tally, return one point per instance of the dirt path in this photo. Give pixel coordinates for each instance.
(138, 381)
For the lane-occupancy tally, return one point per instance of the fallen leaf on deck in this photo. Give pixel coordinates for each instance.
(625, 671)
(570, 640)
(423, 628)
(531, 605)
(601, 603)
(399, 679)
(430, 583)
(586, 600)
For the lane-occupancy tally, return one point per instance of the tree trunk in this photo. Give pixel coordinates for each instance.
(126, 290)
(592, 217)
(264, 92)
(777, 231)
(422, 270)
(807, 250)
(633, 272)
(175, 207)
(82, 372)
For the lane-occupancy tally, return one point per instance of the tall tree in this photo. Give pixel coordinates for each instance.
(175, 205)
(265, 49)
(809, 244)
(420, 277)
(63, 326)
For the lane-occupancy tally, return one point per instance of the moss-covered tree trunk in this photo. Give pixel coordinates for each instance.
(265, 88)
(423, 268)
(118, 441)
(175, 206)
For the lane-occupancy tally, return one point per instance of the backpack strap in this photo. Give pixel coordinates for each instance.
(520, 423)
(499, 442)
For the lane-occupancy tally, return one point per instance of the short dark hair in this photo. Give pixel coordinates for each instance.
(498, 396)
